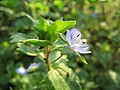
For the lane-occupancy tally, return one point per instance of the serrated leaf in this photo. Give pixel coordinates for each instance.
(62, 26)
(58, 81)
(29, 50)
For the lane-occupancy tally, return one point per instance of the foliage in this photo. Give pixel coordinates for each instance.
(98, 21)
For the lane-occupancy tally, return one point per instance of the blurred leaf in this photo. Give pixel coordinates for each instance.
(23, 23)
(66, 50)
(33, 20)
(18, 37)
(83, 60)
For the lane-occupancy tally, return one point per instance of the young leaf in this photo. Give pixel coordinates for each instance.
(62, 26)
(42, 24)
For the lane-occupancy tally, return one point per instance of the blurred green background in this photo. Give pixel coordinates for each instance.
(99, 22)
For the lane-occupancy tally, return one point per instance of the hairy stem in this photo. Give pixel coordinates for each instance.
(47, 58)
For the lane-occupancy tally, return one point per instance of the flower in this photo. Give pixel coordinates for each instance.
(31, 67)
(73, 36)
(21, 70)
(95, 15)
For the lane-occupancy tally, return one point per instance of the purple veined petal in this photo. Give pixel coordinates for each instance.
(75, 35)
(21, 71)
(68, 37)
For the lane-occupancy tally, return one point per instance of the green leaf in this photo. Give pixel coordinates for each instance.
(42, 24)
(37, 42)
(33, 20)
(71, 78)
(57, 80)
(52, 34)
(18, 37)
(62, 26)
(66, 50)
(29, 50)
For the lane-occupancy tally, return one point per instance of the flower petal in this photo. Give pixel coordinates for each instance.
(81, 48)
(68, 37)
(21, 70)
(75, 35)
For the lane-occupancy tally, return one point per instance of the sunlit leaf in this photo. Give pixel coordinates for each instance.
(42, 24)
(70, 80)
(62, 26)
(29, 50)
(57, 80)
(20, 37)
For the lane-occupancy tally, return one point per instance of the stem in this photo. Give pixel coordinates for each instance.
(47, 58)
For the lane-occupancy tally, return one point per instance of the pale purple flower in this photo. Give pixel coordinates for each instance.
(23, 71)
(73, 37)
(33, 66)
(95, 15)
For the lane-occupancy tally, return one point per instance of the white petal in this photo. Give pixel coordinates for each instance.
(68, 37)
(84, 52)
(81, 48)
